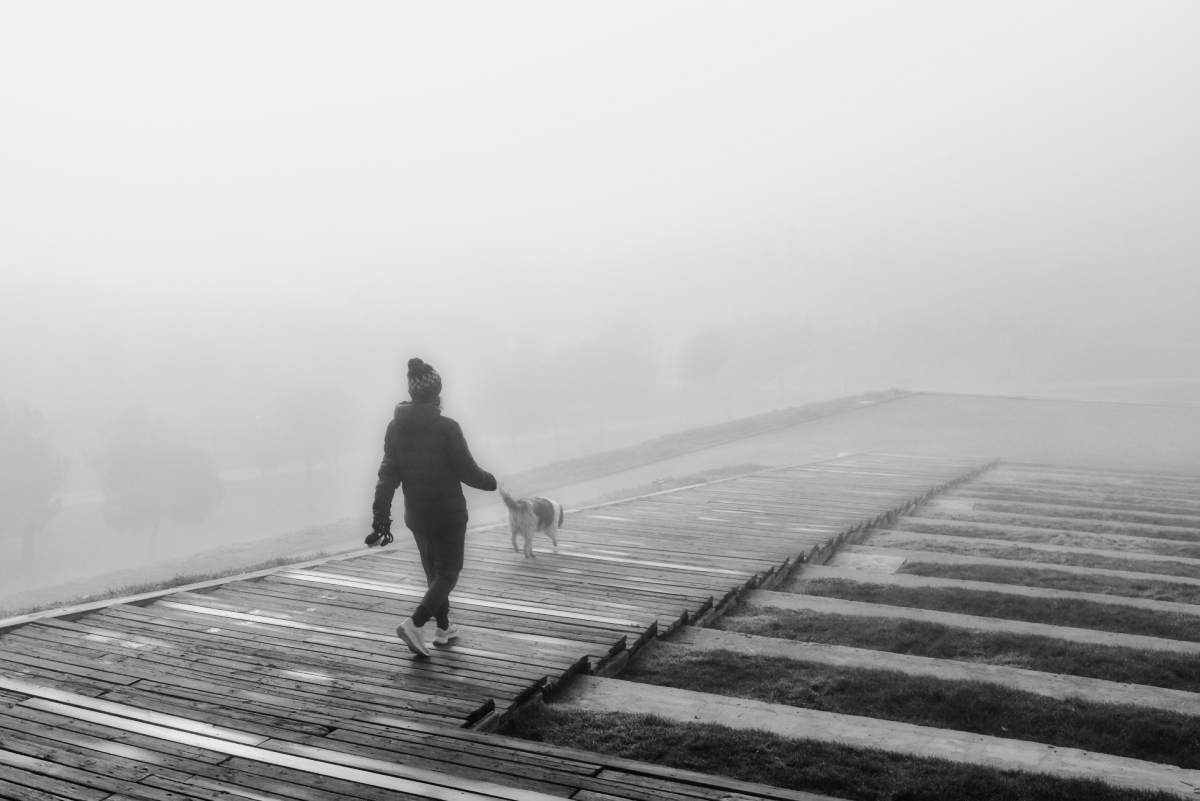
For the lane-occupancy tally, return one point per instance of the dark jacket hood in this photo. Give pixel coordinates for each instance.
(411, 412)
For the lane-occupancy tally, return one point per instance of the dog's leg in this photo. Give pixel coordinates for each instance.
(528, 545)
(513, 532)
(552, 531)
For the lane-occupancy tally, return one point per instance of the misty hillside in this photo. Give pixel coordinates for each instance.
(627, 236)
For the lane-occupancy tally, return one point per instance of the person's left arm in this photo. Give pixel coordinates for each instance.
(465, 469)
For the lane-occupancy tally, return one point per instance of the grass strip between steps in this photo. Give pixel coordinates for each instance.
(1077, 539)
(1067, 524)
(1170, 504)
(922, 638)
(1150, 735)
(804, 765)
(1057, 580)
(1083, 513)
(996, 550)
(1070, 612)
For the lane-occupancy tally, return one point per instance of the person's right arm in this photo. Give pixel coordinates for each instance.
(389, 479)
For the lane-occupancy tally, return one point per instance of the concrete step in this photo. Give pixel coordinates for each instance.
(594, 694)
(963, 511)
(1112, 541)
(915, 539)
(837, 606)
(965, 498)
(871, 554)
(814, 572)
(1095, 501)
(1051, 685)
(858, 559)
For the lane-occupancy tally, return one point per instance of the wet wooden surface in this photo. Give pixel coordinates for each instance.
(294, 685)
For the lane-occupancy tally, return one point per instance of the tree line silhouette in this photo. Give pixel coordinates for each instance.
(151, 476)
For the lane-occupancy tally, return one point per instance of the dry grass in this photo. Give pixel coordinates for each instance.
(1127, 501)
(1051, 611)
(1066, 524)
(919, 638)
(1107, 516)
(978, 707)
(1081, 539)
(999, 550)
(804, 765)
(1057, 580)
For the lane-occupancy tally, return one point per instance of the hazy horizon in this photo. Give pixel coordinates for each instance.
(582, 214)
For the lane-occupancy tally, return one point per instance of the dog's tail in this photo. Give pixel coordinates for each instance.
(560, 515)
(508, 499)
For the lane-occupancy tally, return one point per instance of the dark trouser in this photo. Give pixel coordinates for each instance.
(441, 546)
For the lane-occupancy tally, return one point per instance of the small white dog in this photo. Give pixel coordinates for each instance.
(528, 516)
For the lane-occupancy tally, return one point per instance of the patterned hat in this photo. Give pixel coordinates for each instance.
(424, 383)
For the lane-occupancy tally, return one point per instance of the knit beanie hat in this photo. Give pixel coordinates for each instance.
(424, 383)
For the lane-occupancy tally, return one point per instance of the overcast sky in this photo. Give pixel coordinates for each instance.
(1033, 164)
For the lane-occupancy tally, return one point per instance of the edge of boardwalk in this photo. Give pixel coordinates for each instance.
(818, 555)
(319, 692)
(768, 579)
(877, 488)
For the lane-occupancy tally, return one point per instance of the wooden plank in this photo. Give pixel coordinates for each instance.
(305, 650)
(630, 766)
(25, 786)
(463, 600)
(375, 772)
(284, 594)
(302, 665)
(163, 769)
(158, 666)
(100, 705)
(70, 782)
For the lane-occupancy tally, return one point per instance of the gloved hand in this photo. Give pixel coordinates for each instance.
(381, 533)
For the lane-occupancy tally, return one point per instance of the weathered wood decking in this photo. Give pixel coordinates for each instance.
(294, 685)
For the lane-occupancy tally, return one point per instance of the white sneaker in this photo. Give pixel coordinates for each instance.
(443, 636)
(413, 637)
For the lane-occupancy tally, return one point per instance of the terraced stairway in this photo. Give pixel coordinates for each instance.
(1072, 592)
(291, 683)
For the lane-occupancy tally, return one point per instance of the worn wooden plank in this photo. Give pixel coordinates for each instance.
(302, 666)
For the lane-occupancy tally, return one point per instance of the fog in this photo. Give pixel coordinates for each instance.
(601, 222)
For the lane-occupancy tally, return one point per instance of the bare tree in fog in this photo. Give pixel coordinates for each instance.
(519, 395)
(754, 353)
(263, 442)
(702, 360)
(31, 474)
(148, 475)
(613, 371)
(315, 423)
(766, 350)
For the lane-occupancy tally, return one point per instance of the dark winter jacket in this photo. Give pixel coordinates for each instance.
(427, 455)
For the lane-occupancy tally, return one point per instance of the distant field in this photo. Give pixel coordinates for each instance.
(673, 445)
(1109, 435)
(77, 544)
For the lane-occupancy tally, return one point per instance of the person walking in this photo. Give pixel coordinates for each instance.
(426, 454)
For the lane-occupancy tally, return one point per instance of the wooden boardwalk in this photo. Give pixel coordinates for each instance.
(294, 685)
